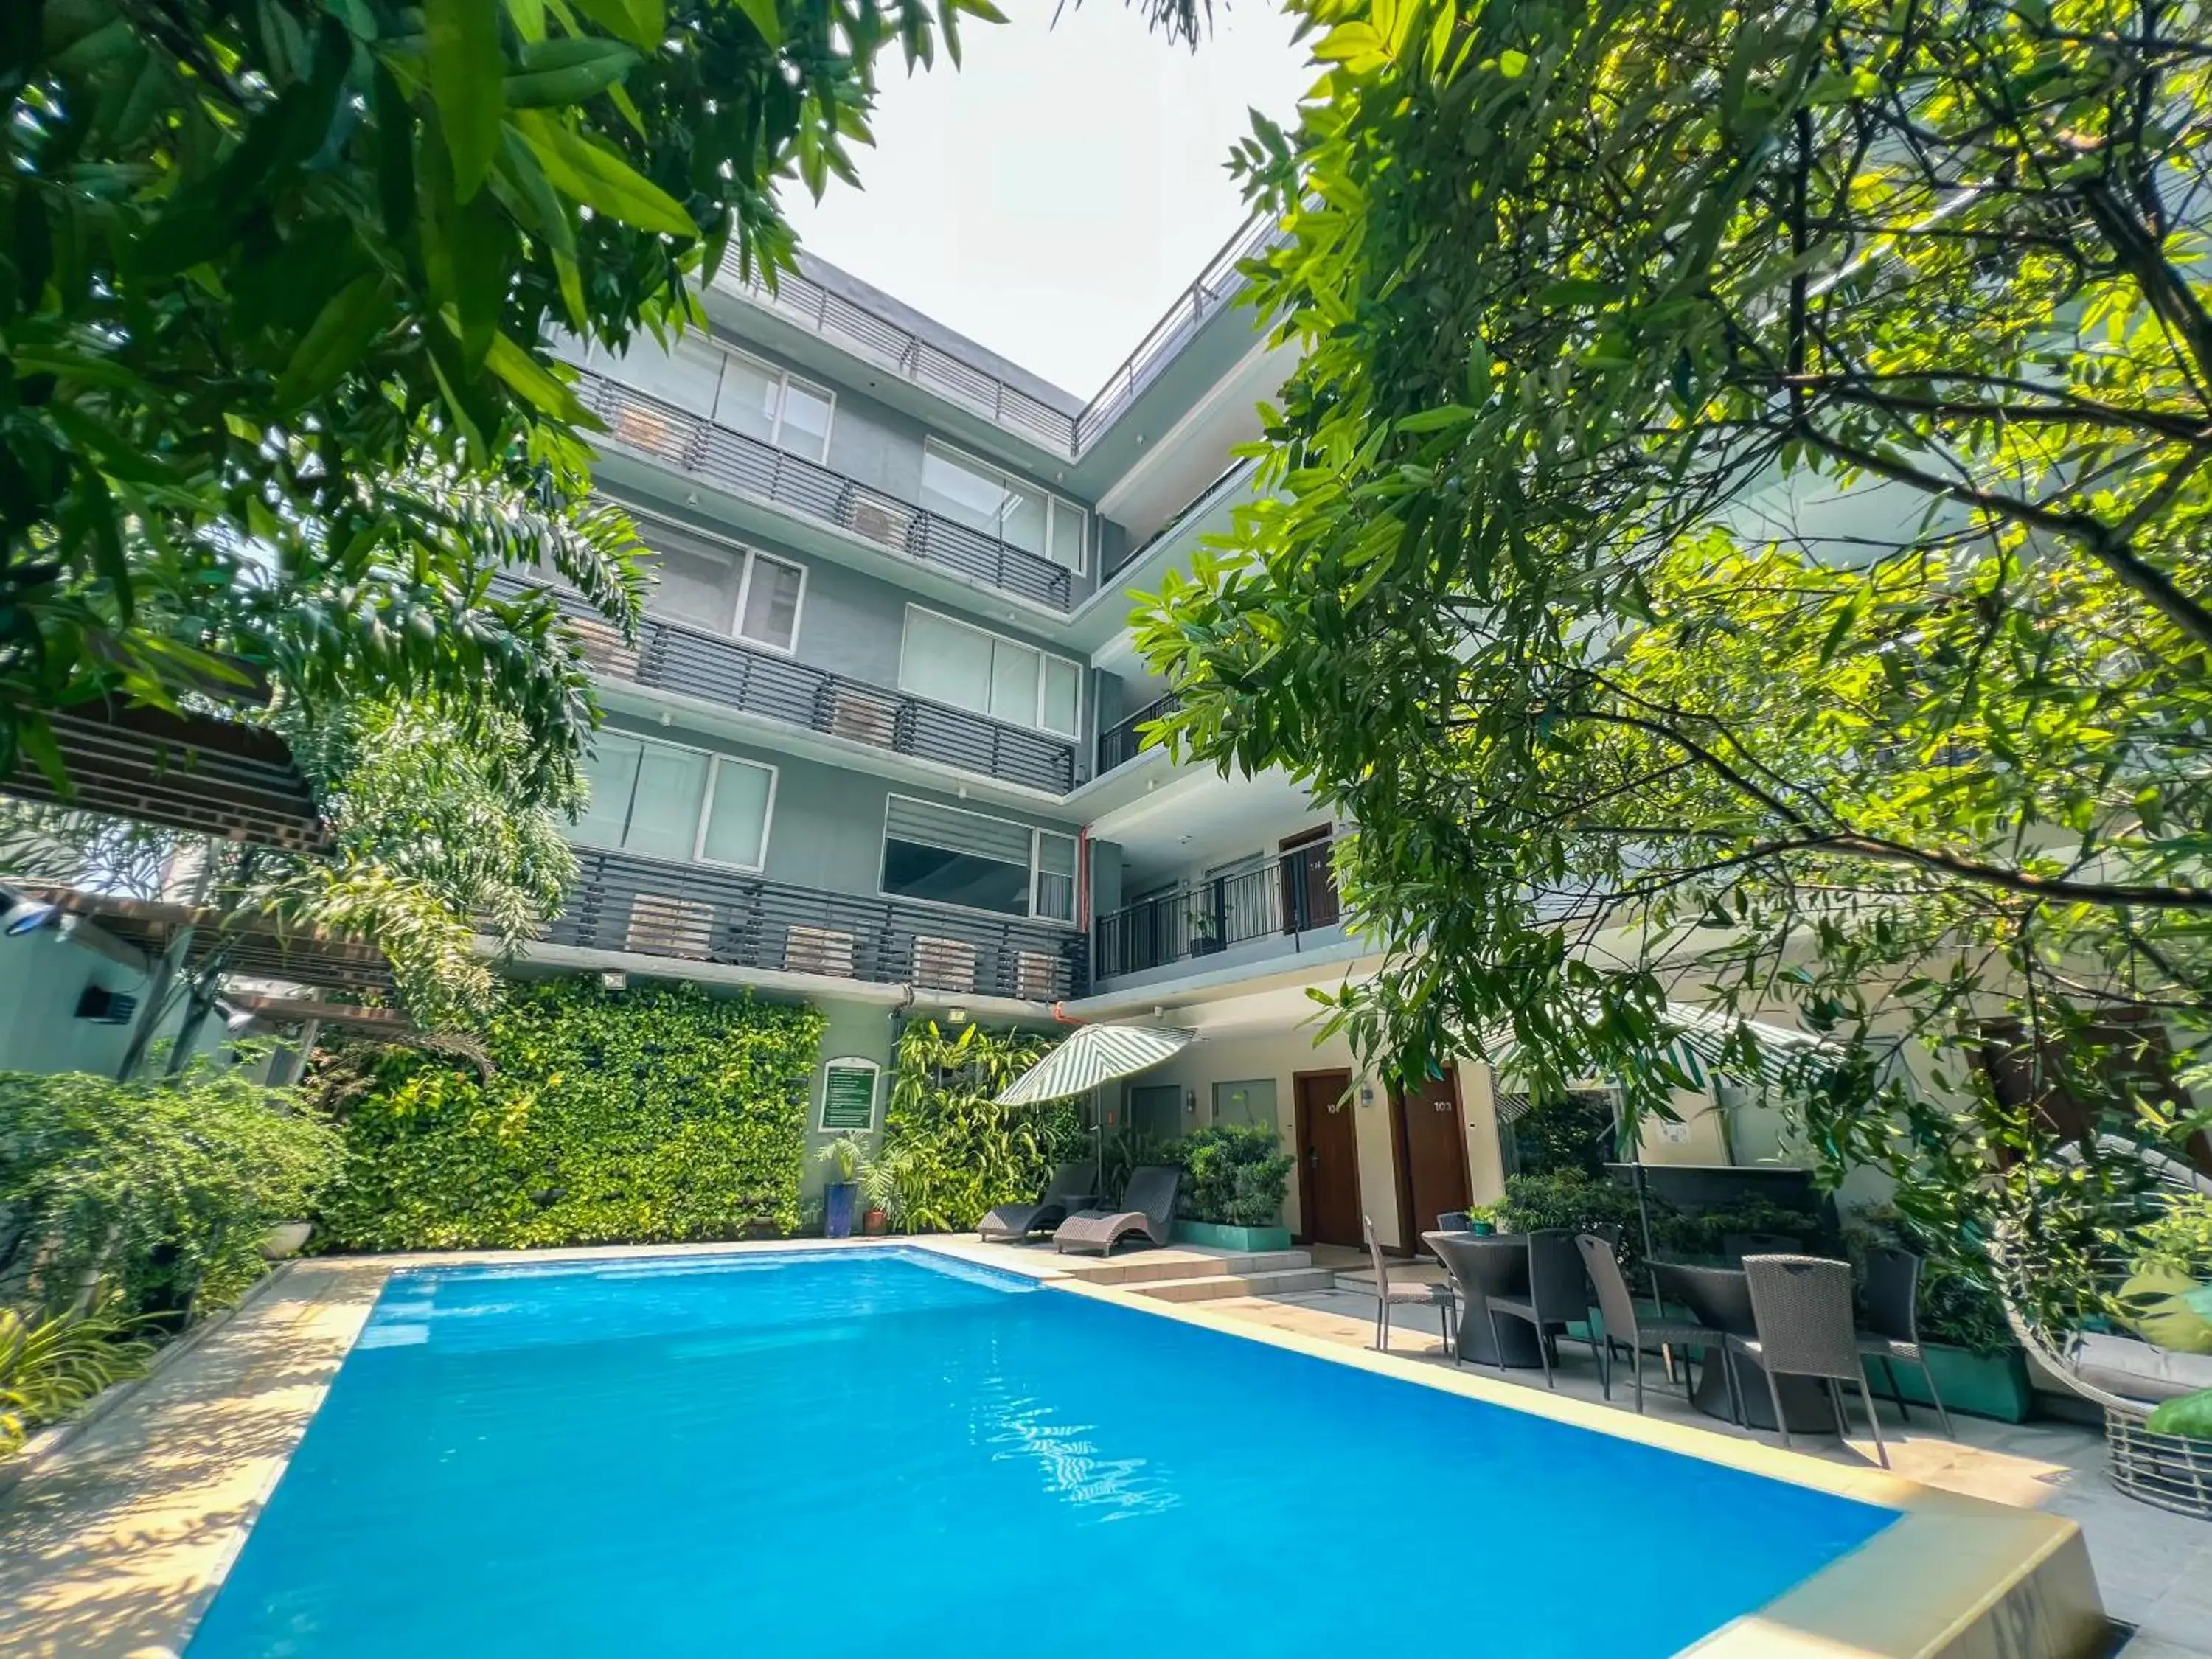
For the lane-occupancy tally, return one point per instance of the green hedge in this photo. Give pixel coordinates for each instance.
(951, 1152)
(649, 1115)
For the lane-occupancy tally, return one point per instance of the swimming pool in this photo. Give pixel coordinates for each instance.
(776, 1453)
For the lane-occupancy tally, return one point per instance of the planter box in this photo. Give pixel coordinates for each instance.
(1979, 1385)
(1220, 1235)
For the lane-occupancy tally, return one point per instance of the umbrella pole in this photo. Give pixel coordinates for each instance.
(1643, 1204)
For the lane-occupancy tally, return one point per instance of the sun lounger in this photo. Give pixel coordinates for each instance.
(1148, 1213)
(1072, 1186)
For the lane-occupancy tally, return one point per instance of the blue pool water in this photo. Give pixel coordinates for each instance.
(771, 1455)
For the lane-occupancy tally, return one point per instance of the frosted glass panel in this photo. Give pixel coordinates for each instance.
(737, 822)
(1067, 534)
(1013, 682)
(609, 775)
(772, 603)
(698, 588)
(960, 492)
(1055, 881)
(1023, 519)
(1062, 692)
(806, 421)
(749, 393)
(685, 377)
(946, 661)
(663, 816)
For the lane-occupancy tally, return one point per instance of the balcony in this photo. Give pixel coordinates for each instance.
(734, 461)
(867, 334)
(698, 663)
(1289, 895)
(692, 913)
(1118, 744)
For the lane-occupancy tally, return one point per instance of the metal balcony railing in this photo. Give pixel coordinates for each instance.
(1219, 283)
(1289, 895)
(871, 335)
(853, 328)
(731, 458)
(671, 656)
(1118, 744)
(651, 906)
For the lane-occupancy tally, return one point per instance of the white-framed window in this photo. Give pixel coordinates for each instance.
(667, 801)
(998, 504)
(769, 595)
(701, 377)
(955, 662)
(775, 406)
(947, 855)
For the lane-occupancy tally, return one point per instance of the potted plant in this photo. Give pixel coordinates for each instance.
(883, 1203)
(846, 1157)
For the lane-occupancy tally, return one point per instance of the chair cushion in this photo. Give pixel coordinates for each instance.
(2136, 1371)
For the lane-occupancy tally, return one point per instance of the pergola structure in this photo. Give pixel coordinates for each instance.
(187, 771)
(253, 946)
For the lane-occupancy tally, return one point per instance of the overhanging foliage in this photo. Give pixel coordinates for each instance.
(1739, 535)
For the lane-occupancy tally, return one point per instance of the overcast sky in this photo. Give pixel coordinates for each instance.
(1053, 196)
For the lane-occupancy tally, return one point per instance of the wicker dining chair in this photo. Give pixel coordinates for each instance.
(1558, 1296)
(1419, 1293)
(1802, 1307)
(1625, 1327)
(1891, 1331)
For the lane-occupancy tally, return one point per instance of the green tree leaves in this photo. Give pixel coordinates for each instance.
(467, 70)
(595, 175)
(1715, 556)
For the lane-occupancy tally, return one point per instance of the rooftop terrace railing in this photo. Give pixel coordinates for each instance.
(674, 656)
(657, 907)
(869, 334)
(1219, 283)
(729, 458)
(1289, 895)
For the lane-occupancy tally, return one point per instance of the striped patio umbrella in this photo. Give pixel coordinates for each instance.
(1699, 1041)
(1095, 1054)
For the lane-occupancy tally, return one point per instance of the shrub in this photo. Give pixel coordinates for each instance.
(954, 1151)
(1235, 1175)
(651, 1115)
(1570, 1198)
(163, 1189)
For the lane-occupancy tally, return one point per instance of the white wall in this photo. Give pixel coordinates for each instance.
(42, 975)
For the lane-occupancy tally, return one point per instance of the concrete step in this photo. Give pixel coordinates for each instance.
(1213, 1287)
(1145, 1267)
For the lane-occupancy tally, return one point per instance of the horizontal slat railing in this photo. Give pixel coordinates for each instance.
(1118, 744)
(1220, 282)
(675, 657)
(653, 906)
(866, 334)
(724, 456)
(1289, 896)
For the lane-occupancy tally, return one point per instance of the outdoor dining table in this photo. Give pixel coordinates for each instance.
(1486, 1264)
(1720, 1298)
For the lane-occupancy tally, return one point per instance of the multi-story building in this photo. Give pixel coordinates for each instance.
(877, 747)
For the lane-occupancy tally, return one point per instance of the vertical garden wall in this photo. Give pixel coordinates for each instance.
(654, 1114)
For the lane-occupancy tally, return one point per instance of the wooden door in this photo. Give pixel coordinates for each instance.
(1432, 1147)
(1328, 1158)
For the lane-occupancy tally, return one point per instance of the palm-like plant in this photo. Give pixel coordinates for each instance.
(49, 1370)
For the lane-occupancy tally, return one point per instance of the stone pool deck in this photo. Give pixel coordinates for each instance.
(112, 1545)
